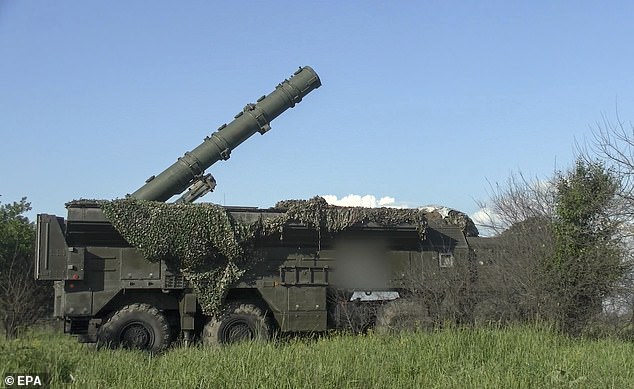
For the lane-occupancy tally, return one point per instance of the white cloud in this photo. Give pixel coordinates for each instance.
(386, 201)
(484, 218)
(368, 201)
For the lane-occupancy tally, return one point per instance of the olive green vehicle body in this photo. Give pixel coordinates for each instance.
(304, 279)
(295, 280)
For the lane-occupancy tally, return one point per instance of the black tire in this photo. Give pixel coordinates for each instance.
(237, 322)
(136, 326)
(402, 315)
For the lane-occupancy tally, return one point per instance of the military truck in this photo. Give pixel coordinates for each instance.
(306, 272)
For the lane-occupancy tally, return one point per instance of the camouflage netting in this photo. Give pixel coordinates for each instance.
(318, 214)
(201, 240)
(451, 216)
(213, 250)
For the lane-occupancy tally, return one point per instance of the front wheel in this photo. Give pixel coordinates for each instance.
(236, 323)
(136, 326)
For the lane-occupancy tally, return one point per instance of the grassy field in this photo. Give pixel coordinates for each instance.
(519, 357)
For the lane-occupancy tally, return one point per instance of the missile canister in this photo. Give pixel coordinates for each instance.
(253, 118)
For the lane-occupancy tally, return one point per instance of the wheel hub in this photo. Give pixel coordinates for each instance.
(136, 335)
(236, 331)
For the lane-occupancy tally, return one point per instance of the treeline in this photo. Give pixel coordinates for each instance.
(23, 301)
(565, 243)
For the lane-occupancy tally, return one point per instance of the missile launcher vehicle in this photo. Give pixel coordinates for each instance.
(142, 273)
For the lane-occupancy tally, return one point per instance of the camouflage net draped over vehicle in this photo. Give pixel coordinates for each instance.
(318, 214)
(213, 250)
(451, 216)
(200, 240)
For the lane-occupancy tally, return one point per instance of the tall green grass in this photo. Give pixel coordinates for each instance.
(514, 357)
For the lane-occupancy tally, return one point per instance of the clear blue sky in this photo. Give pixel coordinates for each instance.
(421, 101)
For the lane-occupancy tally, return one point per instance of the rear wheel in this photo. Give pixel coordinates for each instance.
(403, 315)
(136, 326)
(236, 323)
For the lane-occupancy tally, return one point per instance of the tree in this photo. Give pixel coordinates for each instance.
(557, 252)
(519, 214)
(517, 200)
(586, 263)
(613, 143)
(22, 300)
